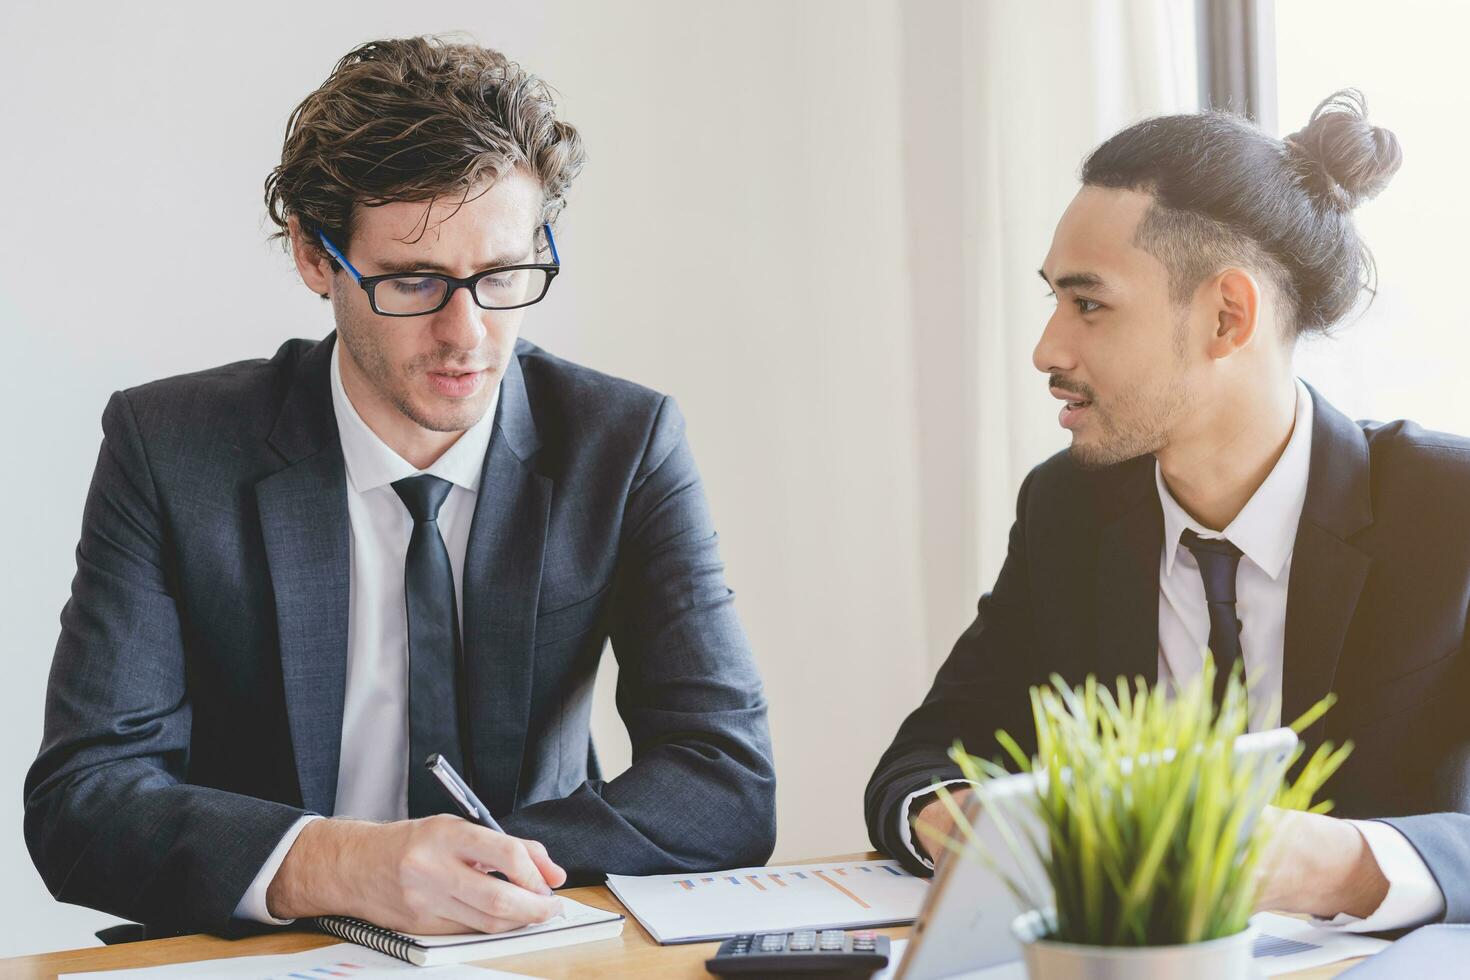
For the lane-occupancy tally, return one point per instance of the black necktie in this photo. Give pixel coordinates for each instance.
(437, 716)
(1218, 559)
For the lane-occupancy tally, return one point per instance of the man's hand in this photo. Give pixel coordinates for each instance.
(1319, 865)
(423, 876)
(934, 825)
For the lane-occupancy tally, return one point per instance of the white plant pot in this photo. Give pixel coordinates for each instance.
(1219, 959)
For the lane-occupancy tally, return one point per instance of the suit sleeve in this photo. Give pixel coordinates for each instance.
(110, 818)
(700, 793)
(1442, 839)
(982, 687)
(1443, 842)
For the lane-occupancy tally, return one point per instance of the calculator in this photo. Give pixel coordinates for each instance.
(807, 952)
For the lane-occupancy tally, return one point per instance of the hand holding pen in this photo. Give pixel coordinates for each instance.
(472, 809)
(418, 876)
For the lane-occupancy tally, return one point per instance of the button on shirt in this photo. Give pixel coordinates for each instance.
(1265, 531)
(372, 775)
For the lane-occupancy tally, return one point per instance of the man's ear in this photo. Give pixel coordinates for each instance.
(312, 261)
(1235, 295)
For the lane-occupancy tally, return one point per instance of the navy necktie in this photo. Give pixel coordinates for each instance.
(437, 715)
(1218, 560)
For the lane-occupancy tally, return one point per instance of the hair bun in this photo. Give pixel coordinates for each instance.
(1343, 159)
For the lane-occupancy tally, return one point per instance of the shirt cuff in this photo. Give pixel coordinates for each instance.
(1413, 895)
(252, 904)
(905, 826)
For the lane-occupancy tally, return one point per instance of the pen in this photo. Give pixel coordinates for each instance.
(465, 799)
(459, 791)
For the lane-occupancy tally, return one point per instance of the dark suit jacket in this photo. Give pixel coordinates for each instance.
(195, 702)
(1376, 611)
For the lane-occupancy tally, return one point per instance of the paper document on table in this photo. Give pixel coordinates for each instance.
(839, 895)
(1285, 945)
(342, 961)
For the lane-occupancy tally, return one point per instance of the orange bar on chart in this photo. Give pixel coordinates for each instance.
(843, 889)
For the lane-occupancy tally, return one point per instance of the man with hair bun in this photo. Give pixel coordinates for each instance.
(1211, 500)
(299, 577)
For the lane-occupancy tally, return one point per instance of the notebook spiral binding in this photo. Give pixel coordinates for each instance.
(366, 934)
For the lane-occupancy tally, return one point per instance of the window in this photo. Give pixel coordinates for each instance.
(1408, 355)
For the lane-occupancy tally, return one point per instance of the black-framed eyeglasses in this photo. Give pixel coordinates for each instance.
(421, 293)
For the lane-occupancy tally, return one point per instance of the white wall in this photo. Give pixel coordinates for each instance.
(745, 157)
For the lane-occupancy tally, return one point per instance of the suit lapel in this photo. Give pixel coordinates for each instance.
(303, 518)
(1128, 588)
(1327, 572)
(501, 586)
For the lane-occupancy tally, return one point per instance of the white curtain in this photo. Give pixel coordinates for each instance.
(1034, 88)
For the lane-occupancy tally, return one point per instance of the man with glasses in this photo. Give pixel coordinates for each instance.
(299, 578)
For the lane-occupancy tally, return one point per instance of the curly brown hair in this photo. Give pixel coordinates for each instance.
(416, 119)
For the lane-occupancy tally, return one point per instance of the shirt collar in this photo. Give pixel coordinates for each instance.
(1265, 529)
(371, 463)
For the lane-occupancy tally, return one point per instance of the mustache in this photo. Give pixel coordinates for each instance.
(1084, 391)
(450, 359)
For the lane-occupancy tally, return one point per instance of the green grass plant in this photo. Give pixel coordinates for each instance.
(1151, 825)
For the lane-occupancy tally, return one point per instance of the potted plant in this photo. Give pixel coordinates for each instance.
(1146, 824)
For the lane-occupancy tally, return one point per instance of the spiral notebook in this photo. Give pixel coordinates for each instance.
(577, 923)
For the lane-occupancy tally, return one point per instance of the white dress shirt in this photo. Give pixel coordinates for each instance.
(1265, 532)
(372, 775)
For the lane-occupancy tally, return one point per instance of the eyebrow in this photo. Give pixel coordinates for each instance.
(1074, 280)
(408, 265)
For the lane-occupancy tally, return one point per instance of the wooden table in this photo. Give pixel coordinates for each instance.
(633, 954)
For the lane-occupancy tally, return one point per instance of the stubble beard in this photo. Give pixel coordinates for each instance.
(1138, 422)
(1134, 424)
(363, 347)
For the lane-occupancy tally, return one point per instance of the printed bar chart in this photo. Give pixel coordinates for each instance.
(778, 879)
(342, 961)
(854, 894)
